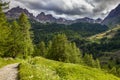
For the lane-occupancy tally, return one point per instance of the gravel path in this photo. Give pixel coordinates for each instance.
(9, 72)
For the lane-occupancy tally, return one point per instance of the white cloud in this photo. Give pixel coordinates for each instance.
(68, 8)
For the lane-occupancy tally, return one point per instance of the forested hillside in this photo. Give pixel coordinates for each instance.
(72, 53)
(104, 46)
(47, 31)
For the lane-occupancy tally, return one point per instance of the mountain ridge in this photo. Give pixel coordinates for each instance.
(44, 18)
(113, 17)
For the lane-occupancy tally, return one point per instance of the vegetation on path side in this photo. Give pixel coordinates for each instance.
(42, 69)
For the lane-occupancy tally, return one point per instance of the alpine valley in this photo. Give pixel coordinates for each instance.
(46, 47)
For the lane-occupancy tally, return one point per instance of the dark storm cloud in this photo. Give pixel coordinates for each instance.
(68, 7)
(79, 8)
(102, 5)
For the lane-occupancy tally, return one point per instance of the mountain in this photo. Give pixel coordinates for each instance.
(16, 12)
(89, 20)
(49, 18)
(113, 18)
(43, 18)
(98, 20)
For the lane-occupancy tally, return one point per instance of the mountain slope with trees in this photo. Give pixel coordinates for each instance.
(50, 41)
(44, 32)
(113, 18)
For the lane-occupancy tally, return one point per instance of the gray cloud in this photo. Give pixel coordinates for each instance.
(69, 8)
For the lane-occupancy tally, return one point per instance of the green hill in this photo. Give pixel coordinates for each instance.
(108, 34)
(108, 45)
(44, 32)
(42, 69)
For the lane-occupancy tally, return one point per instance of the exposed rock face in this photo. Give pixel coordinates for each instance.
(15, 13)
(89, 20)
(86, 19)
(43, 18)
(99, 20)
(113, 18)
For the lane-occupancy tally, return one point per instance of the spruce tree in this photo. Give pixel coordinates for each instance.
(14, 41)
(4, 31)
(97, 64)
(58, 48)
(88, 60)
(26, 41)
(49, 49)
(118, 72)
(63, 50)
(113, 70)
(41, 49)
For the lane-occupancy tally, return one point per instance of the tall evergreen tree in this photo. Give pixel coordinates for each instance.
(41, 50)
(14, 40)
(27, 46)
(113, 70)
(63, 50)
(89, 61)
(58, 48)
(4, 31)
(49, 48)
(97, 64)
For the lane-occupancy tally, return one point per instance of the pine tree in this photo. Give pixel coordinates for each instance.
(58, 48)
(118, 72)
(3, 25)
(27, 46)
(97, 64)
(41, 49)
(63, 50)
(76, 53)
(113, 70)
(4, 31)
(49, 49)
(89, 61)
(14, 41)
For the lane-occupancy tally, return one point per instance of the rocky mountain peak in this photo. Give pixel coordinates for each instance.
(42, 14)
(43, 18)
(16, 12)
(113, 18)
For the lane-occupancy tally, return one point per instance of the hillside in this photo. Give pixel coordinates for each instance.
(44, 32)
(113, 18)
(107, 34)
(43, 69)
(107, 44)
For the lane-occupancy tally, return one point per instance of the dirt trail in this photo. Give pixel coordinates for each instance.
(9, 72)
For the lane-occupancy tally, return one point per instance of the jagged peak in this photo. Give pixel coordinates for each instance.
(42, 13)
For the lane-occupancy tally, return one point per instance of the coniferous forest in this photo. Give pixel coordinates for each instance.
(53, 51)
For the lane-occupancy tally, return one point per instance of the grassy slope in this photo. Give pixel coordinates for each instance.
(6, 61)
(109, 34)
(43, 69)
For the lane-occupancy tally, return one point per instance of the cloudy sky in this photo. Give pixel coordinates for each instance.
(70, 9)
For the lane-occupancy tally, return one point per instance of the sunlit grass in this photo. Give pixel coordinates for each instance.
(6, 61)
(43, 69)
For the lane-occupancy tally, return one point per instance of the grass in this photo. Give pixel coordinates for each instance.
(109, 34)
(42, 69)
(6, 61)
